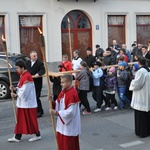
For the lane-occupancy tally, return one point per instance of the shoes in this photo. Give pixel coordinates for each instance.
(39, 114)
(35, 138)
(116, 108)
(84, 109)
(86, 113)
(13, 140)
(97, 110)
(108, 108)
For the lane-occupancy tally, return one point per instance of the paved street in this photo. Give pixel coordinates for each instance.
(112, 130)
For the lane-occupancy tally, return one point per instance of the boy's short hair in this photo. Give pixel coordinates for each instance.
(68, 77)
(142, 60)
(21, 64)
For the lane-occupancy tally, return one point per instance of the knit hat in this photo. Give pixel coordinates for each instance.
(122, 64)
(136, 66)
(112, 69)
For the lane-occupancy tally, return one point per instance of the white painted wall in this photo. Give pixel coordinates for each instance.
(54, 11)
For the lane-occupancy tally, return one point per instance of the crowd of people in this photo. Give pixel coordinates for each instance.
(105, 74)
(106, 81)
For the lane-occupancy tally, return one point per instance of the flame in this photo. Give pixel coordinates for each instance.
(3, 38)
(68, 20)
(40, 31)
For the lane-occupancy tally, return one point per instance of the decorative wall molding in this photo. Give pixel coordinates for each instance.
(80, 0)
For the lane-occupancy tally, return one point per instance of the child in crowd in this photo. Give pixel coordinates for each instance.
(111, 87)
(83, 78)
(122, 80)
(135, 68)
(97, 96)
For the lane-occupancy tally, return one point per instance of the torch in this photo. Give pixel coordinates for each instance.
(42, 46)
(9, 75)
(69, 39)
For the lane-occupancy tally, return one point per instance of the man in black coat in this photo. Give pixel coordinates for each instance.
(146, 54)
(99, 52)
(36, 69)
(90, 59)
(108, 58)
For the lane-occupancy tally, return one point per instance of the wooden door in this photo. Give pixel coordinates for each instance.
(80, 33)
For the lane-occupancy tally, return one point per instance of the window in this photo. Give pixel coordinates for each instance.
(116, 29)
(3, 63)
(2, 31)
(143, 29)
(29, 34)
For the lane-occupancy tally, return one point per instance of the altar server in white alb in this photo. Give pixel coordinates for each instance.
(26, 105)
(76, 60)
(68, 122)
(76, 66)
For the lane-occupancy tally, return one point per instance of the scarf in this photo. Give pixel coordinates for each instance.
(71, 96)
(24, 78)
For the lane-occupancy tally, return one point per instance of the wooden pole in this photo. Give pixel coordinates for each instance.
(70, 46)
(42, 46)
(9, 75)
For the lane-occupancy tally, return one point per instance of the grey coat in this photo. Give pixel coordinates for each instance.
(83, 79)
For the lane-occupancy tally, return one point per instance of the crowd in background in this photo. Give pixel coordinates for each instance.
(104, 82)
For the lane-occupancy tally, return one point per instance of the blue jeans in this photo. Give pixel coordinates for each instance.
(122, 98)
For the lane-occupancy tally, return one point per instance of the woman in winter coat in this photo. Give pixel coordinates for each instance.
(83, 78)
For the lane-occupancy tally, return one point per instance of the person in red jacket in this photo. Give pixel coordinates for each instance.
(123, 53)
(65, 65)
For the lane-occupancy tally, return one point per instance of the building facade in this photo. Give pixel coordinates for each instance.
(72, 24)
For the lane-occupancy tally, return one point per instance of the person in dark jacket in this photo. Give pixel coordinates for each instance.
(134, 51)
(99, 52)
(111, 88)
(56, 86)
(90, 59)
(122, 80)
(113, 53)
(116, 47)
(146, 54)
(36, 69)
(108, 58)
(138, 52)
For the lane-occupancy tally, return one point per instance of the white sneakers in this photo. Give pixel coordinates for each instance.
(108, 108)
(97, 110)
(13, 140)
(116, 108)
(35, 138)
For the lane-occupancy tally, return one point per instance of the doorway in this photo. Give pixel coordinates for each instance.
(80, 33)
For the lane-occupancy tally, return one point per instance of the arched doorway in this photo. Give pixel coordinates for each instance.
(80, 33)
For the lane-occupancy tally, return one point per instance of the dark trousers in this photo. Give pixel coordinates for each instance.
(97, 95)
(18, 136)
(38, 94)
(142, 123)
(112, 98)
(84, 100)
